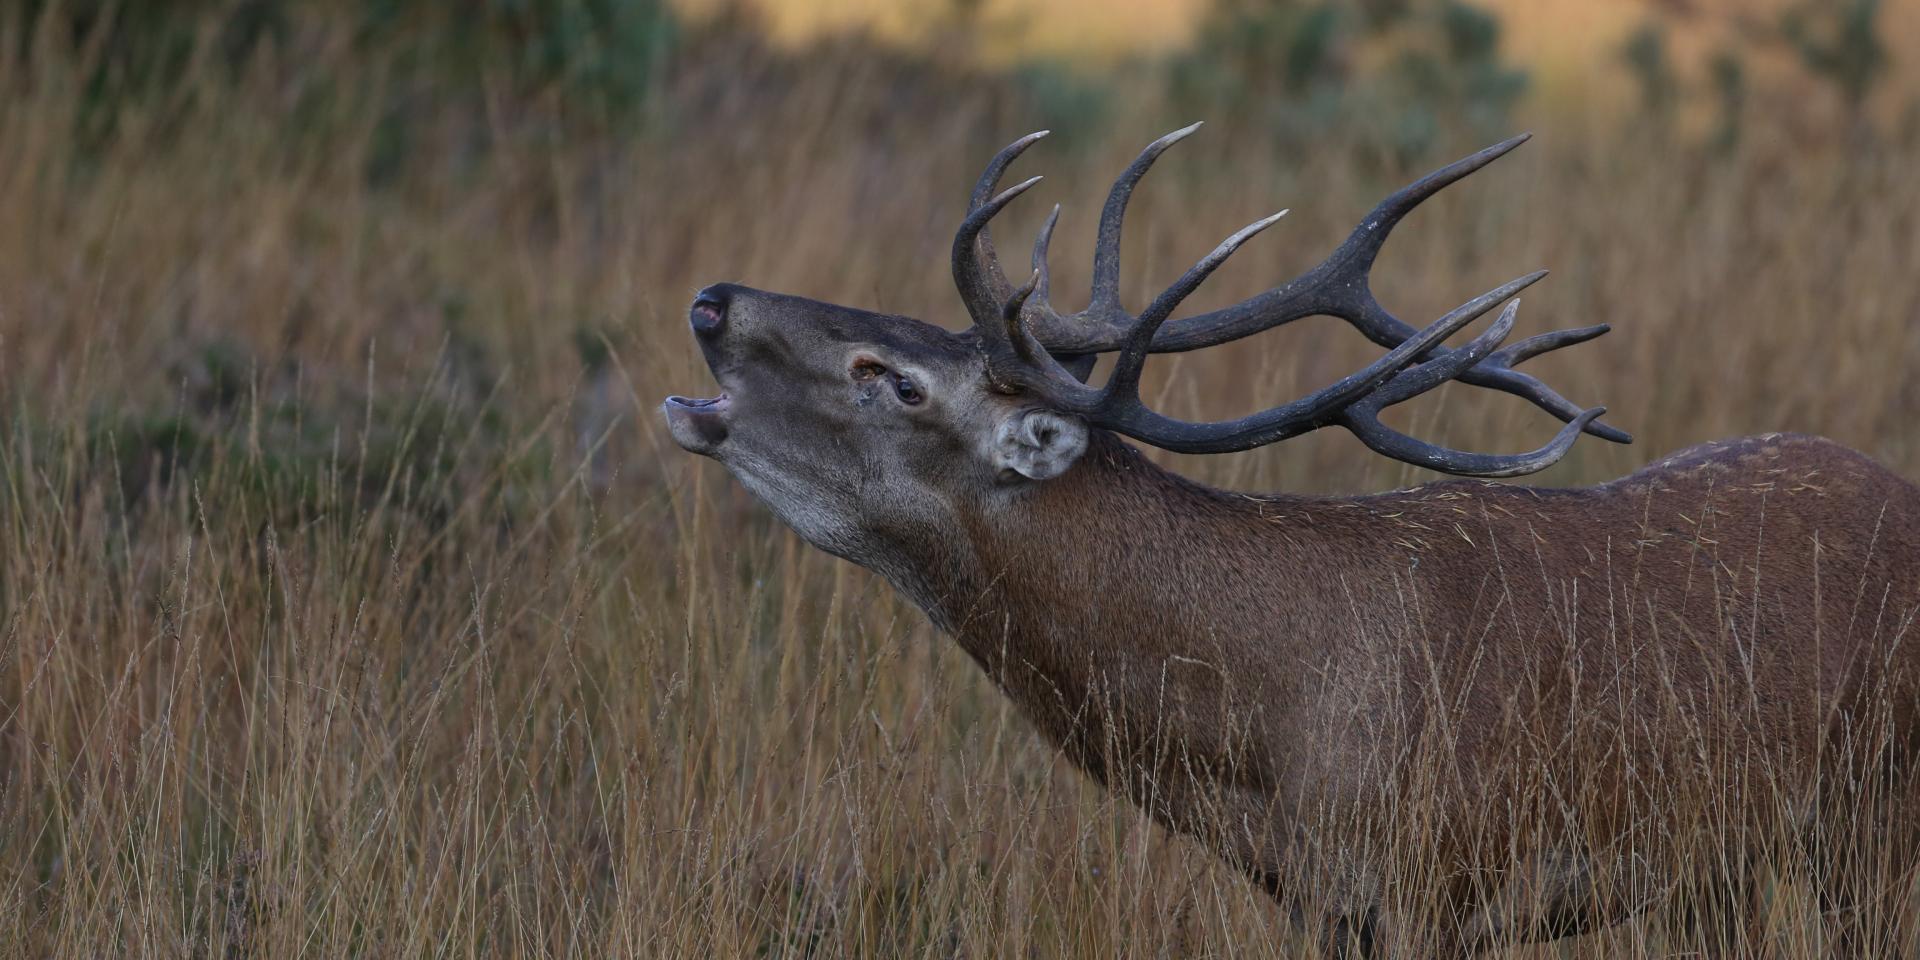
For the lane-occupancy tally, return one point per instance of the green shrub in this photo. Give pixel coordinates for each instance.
(1397, 73)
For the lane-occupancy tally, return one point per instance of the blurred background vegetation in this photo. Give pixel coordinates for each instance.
(550, 124)
(1402, 74)
(353, 601)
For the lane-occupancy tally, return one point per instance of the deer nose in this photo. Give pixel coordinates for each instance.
(708, 315)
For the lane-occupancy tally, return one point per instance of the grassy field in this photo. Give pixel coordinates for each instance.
(354, 602)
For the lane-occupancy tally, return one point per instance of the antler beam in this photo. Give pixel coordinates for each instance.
(1338, 286)
(1051, 355)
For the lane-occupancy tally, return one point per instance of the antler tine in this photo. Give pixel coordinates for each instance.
(1013, 315)
(1362, 417)
(1122, 410)
(1371, 234)
(1529, 388)
(1038, 370)
(983, 189)
(990, 177)
(1424, 377)
(1040, 244)
(1133, 352)
(1391, 443)
(1497, 373)
(980, 286)
(1340, 285)
(1317, 409)
(1106, 249)
(1062, 384)
(1052, 355)
(1533, 346)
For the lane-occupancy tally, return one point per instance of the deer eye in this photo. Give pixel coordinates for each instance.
(906, 391)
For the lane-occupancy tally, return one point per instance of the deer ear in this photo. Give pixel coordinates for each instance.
(1038, 444)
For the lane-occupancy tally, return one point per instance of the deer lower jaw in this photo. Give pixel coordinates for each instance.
(698, 425)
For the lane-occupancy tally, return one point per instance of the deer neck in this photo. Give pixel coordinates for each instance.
(1079, 569)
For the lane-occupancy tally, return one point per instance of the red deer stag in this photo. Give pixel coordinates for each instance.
(1546, 690)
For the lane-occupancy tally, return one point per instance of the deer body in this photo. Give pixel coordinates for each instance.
(1775, 571)
(1546, 692)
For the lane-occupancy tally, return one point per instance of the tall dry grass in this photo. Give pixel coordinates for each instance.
(352, 601)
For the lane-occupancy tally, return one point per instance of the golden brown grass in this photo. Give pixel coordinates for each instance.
(344, 609)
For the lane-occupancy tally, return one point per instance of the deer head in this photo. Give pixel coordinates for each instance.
(861, 429)
(851, 425)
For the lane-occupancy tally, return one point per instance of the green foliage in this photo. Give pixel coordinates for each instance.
(597, 57)
(1398, 73)
(424, 449)
(1728, 74)
(1061, 99)
(1836, 43)
(1839, 41)
(1645, 55)
(603, 53)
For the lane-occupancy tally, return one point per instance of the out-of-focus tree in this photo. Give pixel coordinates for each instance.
(1402, 73)
(1728, 73)
(959, 35)
(1645, 54)
(1832, 43)
(607, 52)
(1839, 41)
(600, 55)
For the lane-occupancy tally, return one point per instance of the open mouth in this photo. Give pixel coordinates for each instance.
(698, 424)
(708, 404)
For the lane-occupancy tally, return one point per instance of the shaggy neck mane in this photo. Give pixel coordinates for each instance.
(1108, 567)
(1074, 549)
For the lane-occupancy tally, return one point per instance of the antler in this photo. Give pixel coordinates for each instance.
(1050, 355)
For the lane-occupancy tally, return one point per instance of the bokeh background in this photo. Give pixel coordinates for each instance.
(354, 602)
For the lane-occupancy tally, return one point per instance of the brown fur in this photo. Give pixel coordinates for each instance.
(1550, 692)
(1763, 588)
